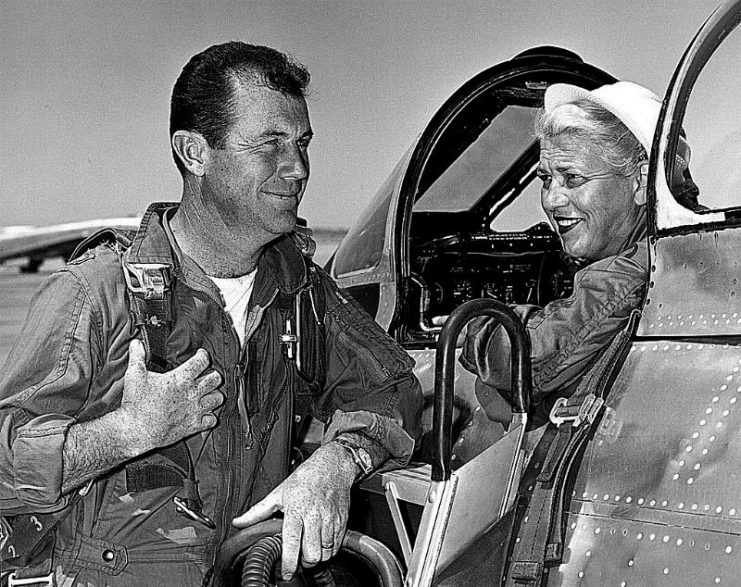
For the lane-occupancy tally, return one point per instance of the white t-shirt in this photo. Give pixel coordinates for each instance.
(236, 292)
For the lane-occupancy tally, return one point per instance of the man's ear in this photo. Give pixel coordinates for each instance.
(641, 185)
(192, 150)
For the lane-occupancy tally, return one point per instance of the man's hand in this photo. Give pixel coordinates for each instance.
(156, 410)
(315, 500)
(164, 408)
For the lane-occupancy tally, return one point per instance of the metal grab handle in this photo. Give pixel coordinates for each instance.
(442, 419)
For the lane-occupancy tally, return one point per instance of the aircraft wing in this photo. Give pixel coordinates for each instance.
(42, 242)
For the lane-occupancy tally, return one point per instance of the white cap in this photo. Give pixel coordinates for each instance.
(635, 106)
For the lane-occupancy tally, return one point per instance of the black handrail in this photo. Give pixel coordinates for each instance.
(442, 420)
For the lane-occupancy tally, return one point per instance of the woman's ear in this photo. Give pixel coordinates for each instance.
(192, 149)
(641, 185)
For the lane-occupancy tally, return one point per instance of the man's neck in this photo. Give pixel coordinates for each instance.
(205, 240)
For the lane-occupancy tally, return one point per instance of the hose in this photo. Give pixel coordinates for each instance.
(257, 567)
(253, 552)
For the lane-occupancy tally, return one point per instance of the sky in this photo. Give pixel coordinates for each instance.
(85, 86)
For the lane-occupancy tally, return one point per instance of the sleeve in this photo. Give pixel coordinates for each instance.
(43, 385)
(369, 384)
(567, 336)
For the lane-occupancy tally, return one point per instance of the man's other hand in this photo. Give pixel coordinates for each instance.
(164, 408)
(315, 500)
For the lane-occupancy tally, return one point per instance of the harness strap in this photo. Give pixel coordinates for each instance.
(149, 287)
(541, 541)
(32, 539)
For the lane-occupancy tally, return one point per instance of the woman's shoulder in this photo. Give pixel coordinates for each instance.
(633, 261)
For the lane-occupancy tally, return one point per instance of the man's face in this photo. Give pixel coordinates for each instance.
(255, 183)
(592, 209)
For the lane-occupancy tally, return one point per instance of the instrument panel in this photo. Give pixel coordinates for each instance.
(516, 268)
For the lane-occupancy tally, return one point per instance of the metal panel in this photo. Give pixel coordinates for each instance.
(694, 287)
(658, 496)
(606, 551)
(479, 497)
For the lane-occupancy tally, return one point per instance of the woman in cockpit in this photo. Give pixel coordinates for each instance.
(593, 167)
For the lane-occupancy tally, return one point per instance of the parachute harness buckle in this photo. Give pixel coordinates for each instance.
(587, 411)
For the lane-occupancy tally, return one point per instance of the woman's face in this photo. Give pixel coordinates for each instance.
(593, 209)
